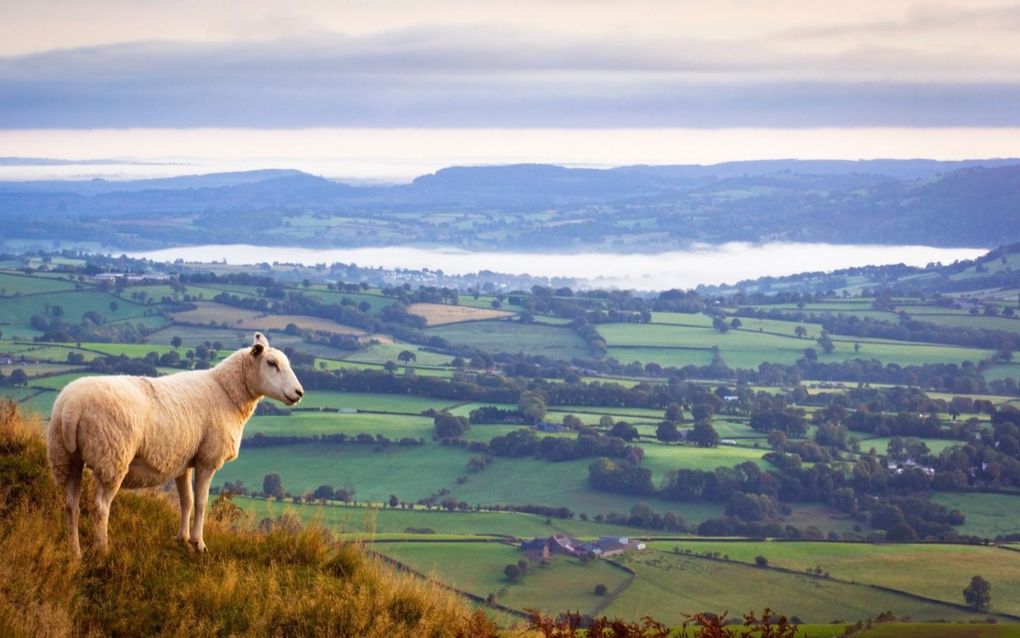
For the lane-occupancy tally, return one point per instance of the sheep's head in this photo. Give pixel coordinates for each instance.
(272, 374)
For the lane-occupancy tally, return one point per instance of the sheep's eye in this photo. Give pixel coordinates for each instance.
(273, 364)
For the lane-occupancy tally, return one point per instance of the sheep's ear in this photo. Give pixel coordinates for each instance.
(257, 349)
(261, 338)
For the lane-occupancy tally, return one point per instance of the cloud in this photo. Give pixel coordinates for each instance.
(920, 19)
(498, 77)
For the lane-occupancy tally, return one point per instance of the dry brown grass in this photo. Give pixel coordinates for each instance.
(437, 314)
(282, 581)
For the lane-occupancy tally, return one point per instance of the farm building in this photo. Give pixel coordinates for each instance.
(605, 546)
(536, 549)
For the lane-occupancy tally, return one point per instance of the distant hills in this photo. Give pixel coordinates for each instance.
(970, 203)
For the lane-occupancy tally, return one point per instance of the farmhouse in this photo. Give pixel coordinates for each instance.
(604, 547)
(537, 549)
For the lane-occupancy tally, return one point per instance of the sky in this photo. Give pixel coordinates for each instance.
(387, 87)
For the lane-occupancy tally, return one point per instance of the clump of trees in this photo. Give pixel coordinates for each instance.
(978, 594)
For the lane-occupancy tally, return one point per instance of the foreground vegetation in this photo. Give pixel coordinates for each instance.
(281, 580)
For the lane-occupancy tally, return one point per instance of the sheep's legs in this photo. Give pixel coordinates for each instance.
(187, 498)
(203, 478)
(105, 492)
(72, 493)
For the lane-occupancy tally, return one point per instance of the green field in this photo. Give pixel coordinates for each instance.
(527, 481)
(411, 473)
(383, 352)
(12, 285)
(478, 568)
(934, 571)
(393, 426)
(360, 520)
(987, 515)
(668, 357)
(1002, 371)
(670, 344)
(40, 403)
(668, 585)
(881, 444)
(513, 336)
(370, 401)
(18, 311)
(662, 458)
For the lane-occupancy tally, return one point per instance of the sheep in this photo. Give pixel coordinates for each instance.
(137, 432)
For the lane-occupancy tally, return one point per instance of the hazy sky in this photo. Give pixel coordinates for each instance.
(837, 72)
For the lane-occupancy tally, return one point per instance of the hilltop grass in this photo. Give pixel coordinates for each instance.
(285, 581)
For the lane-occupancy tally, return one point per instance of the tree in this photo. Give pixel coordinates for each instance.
(625, 431)
(703, 434)
(978, 593)
(322, 492)
(532, 406)
(600, 589)
(512, 571)
(761, 561)
(272, 485)
(114, 306)
(175, 341)
(674, 413)
(572, 422)
(826, 342)
(667, 432)
(406, 356)
(394, 501)
(390, 367)
(720, 324)
(18, 377)
(702, 411)
(776, 439)
(448, 426)
(800, 331)
(736, 323)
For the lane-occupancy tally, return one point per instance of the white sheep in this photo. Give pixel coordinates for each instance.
(141, 432)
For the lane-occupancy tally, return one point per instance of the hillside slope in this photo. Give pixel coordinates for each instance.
(539, 207)
(280, 581)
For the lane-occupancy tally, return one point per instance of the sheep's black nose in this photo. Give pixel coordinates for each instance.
(299, 392)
